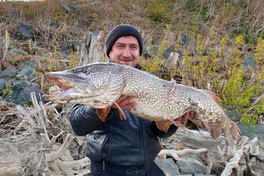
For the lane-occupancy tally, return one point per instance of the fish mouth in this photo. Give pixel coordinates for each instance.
(65, 88)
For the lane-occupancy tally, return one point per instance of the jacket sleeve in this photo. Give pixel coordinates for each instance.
(163, 134)
(84, 119)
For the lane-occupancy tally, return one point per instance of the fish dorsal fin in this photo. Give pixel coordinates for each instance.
(214, 96)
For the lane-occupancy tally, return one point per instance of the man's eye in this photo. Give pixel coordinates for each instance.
(134, 47)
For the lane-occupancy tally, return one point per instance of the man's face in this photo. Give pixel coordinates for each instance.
(125, 51)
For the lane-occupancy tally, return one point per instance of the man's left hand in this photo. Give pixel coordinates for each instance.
(185, 117)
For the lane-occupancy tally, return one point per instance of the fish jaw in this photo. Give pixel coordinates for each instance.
(67, 80)
(70, 90)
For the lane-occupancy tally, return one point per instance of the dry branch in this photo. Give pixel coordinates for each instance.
(234, 162)
(175, 154)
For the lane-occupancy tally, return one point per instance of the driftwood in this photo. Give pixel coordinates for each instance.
(175, 154)
(3, 48)
(172, 61)
(93, 48)
(31, 148)
(233, 163)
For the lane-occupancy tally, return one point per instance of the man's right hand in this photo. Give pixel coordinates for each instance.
(124, 102)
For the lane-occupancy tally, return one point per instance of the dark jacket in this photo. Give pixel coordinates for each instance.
(131, 143)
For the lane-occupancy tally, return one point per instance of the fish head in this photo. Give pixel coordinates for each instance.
(93, 85)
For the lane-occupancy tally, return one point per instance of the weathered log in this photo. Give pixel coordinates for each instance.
(20, 155)
(233, 163)
(93, 48)
(172, 61)
(3, 48)
(176, 153)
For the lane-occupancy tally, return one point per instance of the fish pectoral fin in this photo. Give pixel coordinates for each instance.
(178, 124)
(102, 113)
(163, 125)
(121, 113)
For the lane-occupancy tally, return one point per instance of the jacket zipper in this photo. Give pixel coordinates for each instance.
(104, 151)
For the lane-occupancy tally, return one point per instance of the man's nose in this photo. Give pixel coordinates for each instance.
(127, 52)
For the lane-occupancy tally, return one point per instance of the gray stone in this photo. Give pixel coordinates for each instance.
(185, 39)
(250, 62)
(153, 51)
(204, 175)
(25, 73)
(26, 31)
(168, 166)
(20, 93)
(31, 62)
(69, 8)
(253, 131)
(7, 74)
(2, 84)
(11, 81)
(191, 165)
(76, 45)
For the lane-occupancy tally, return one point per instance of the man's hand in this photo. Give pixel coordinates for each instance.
(185, 117)
(165, 125)
(124, 102)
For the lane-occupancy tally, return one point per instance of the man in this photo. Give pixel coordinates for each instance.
(121, 147)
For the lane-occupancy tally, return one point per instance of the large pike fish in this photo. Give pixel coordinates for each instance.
(99, 85)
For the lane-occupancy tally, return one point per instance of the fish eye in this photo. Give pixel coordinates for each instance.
(85, 72)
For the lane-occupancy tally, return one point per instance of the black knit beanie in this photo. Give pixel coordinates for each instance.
(123, 30)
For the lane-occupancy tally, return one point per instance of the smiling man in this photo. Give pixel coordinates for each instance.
(121, 147)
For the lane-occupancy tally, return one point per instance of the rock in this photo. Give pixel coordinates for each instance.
(69, 8)
(10, 81)
(26, 74)
(25, 32)
(2, 84)
(75, 45)
(7, 74)
(197, 140)
(185, 39)
(252, 132)
(191, 165)
(153, 51)
(19, 93)
(250, 62)
(168, 166)
(67, 49)
(204, 175)
(31, 62)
